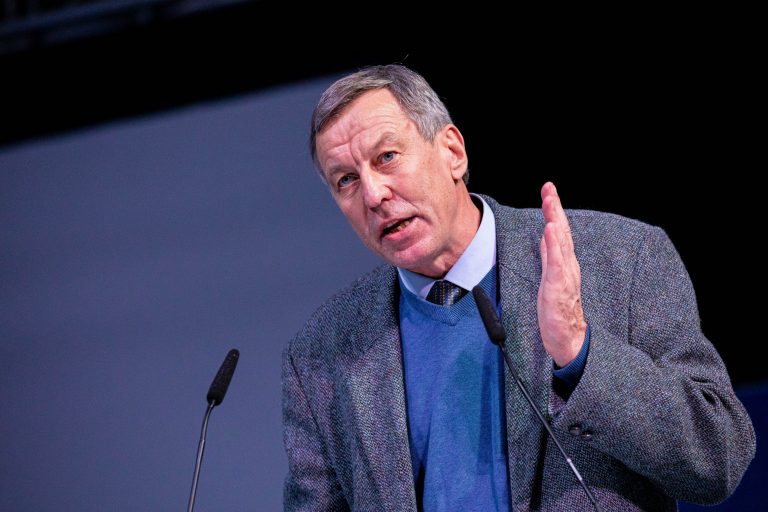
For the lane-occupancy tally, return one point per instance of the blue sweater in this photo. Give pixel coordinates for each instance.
(454, 386)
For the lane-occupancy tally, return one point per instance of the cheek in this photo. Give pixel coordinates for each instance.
(357, 221)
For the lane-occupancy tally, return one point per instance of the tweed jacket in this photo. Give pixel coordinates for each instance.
(653, 419)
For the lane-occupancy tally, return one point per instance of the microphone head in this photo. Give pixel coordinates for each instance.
(221, 382)
(488, 313)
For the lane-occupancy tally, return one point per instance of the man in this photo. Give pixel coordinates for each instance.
(395, 399)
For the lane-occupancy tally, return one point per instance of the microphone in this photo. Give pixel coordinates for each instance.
(215, 396)
(221, 382)
(498, 336)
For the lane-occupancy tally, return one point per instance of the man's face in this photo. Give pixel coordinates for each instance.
(402, 194)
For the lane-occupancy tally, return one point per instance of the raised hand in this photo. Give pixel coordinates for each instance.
(561, 317)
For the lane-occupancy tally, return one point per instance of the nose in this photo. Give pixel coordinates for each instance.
(375, 188)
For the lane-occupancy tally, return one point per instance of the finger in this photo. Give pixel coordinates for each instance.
(553, 212)
(559, 211)
(564, 227)
(547, 189)
(549, 208)
(555, 261)
(553, 216)
(548, 194)
(551, 205)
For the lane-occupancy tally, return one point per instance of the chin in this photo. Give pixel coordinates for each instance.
(411, 258)
(397, 260)
(409, 262)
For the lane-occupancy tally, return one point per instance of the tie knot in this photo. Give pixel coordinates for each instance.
(445, 293)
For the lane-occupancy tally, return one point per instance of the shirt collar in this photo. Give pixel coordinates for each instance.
(477, 260)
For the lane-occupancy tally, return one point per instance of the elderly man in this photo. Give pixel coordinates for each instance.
(395, 399)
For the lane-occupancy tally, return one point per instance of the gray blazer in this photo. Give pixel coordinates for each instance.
(654, 418)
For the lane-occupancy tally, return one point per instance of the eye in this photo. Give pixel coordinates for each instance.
(387, 157)
(345, 180)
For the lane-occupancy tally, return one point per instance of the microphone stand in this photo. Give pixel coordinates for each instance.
(544, 422)
(199, 461)
(215, 396)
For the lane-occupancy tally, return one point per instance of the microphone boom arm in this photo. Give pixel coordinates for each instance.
(498, 336)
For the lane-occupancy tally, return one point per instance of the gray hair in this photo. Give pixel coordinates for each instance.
(417, 99)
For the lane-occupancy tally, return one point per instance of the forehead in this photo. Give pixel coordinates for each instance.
(370, 104)
(371, 112)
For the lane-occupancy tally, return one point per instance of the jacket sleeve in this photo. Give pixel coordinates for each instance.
(311, 483)
(658, 397)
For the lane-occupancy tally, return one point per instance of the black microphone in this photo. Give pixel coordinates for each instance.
(498, 336)
(215, 396)
(221, 382)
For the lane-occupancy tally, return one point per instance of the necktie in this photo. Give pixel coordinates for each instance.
(445, 293)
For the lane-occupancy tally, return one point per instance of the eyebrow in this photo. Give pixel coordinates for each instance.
(385, 139)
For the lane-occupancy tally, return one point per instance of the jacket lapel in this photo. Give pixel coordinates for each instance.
(375, 383)
(519, 267)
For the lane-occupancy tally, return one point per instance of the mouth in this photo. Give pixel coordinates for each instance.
(396, 226)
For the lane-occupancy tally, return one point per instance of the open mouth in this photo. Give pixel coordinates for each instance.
(397, 226)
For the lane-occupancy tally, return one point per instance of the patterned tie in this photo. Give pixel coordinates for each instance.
(445, 293)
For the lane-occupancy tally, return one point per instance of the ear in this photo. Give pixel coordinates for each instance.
(452, 146)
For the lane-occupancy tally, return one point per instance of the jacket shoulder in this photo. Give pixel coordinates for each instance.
(584, 223)
(338, 316)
